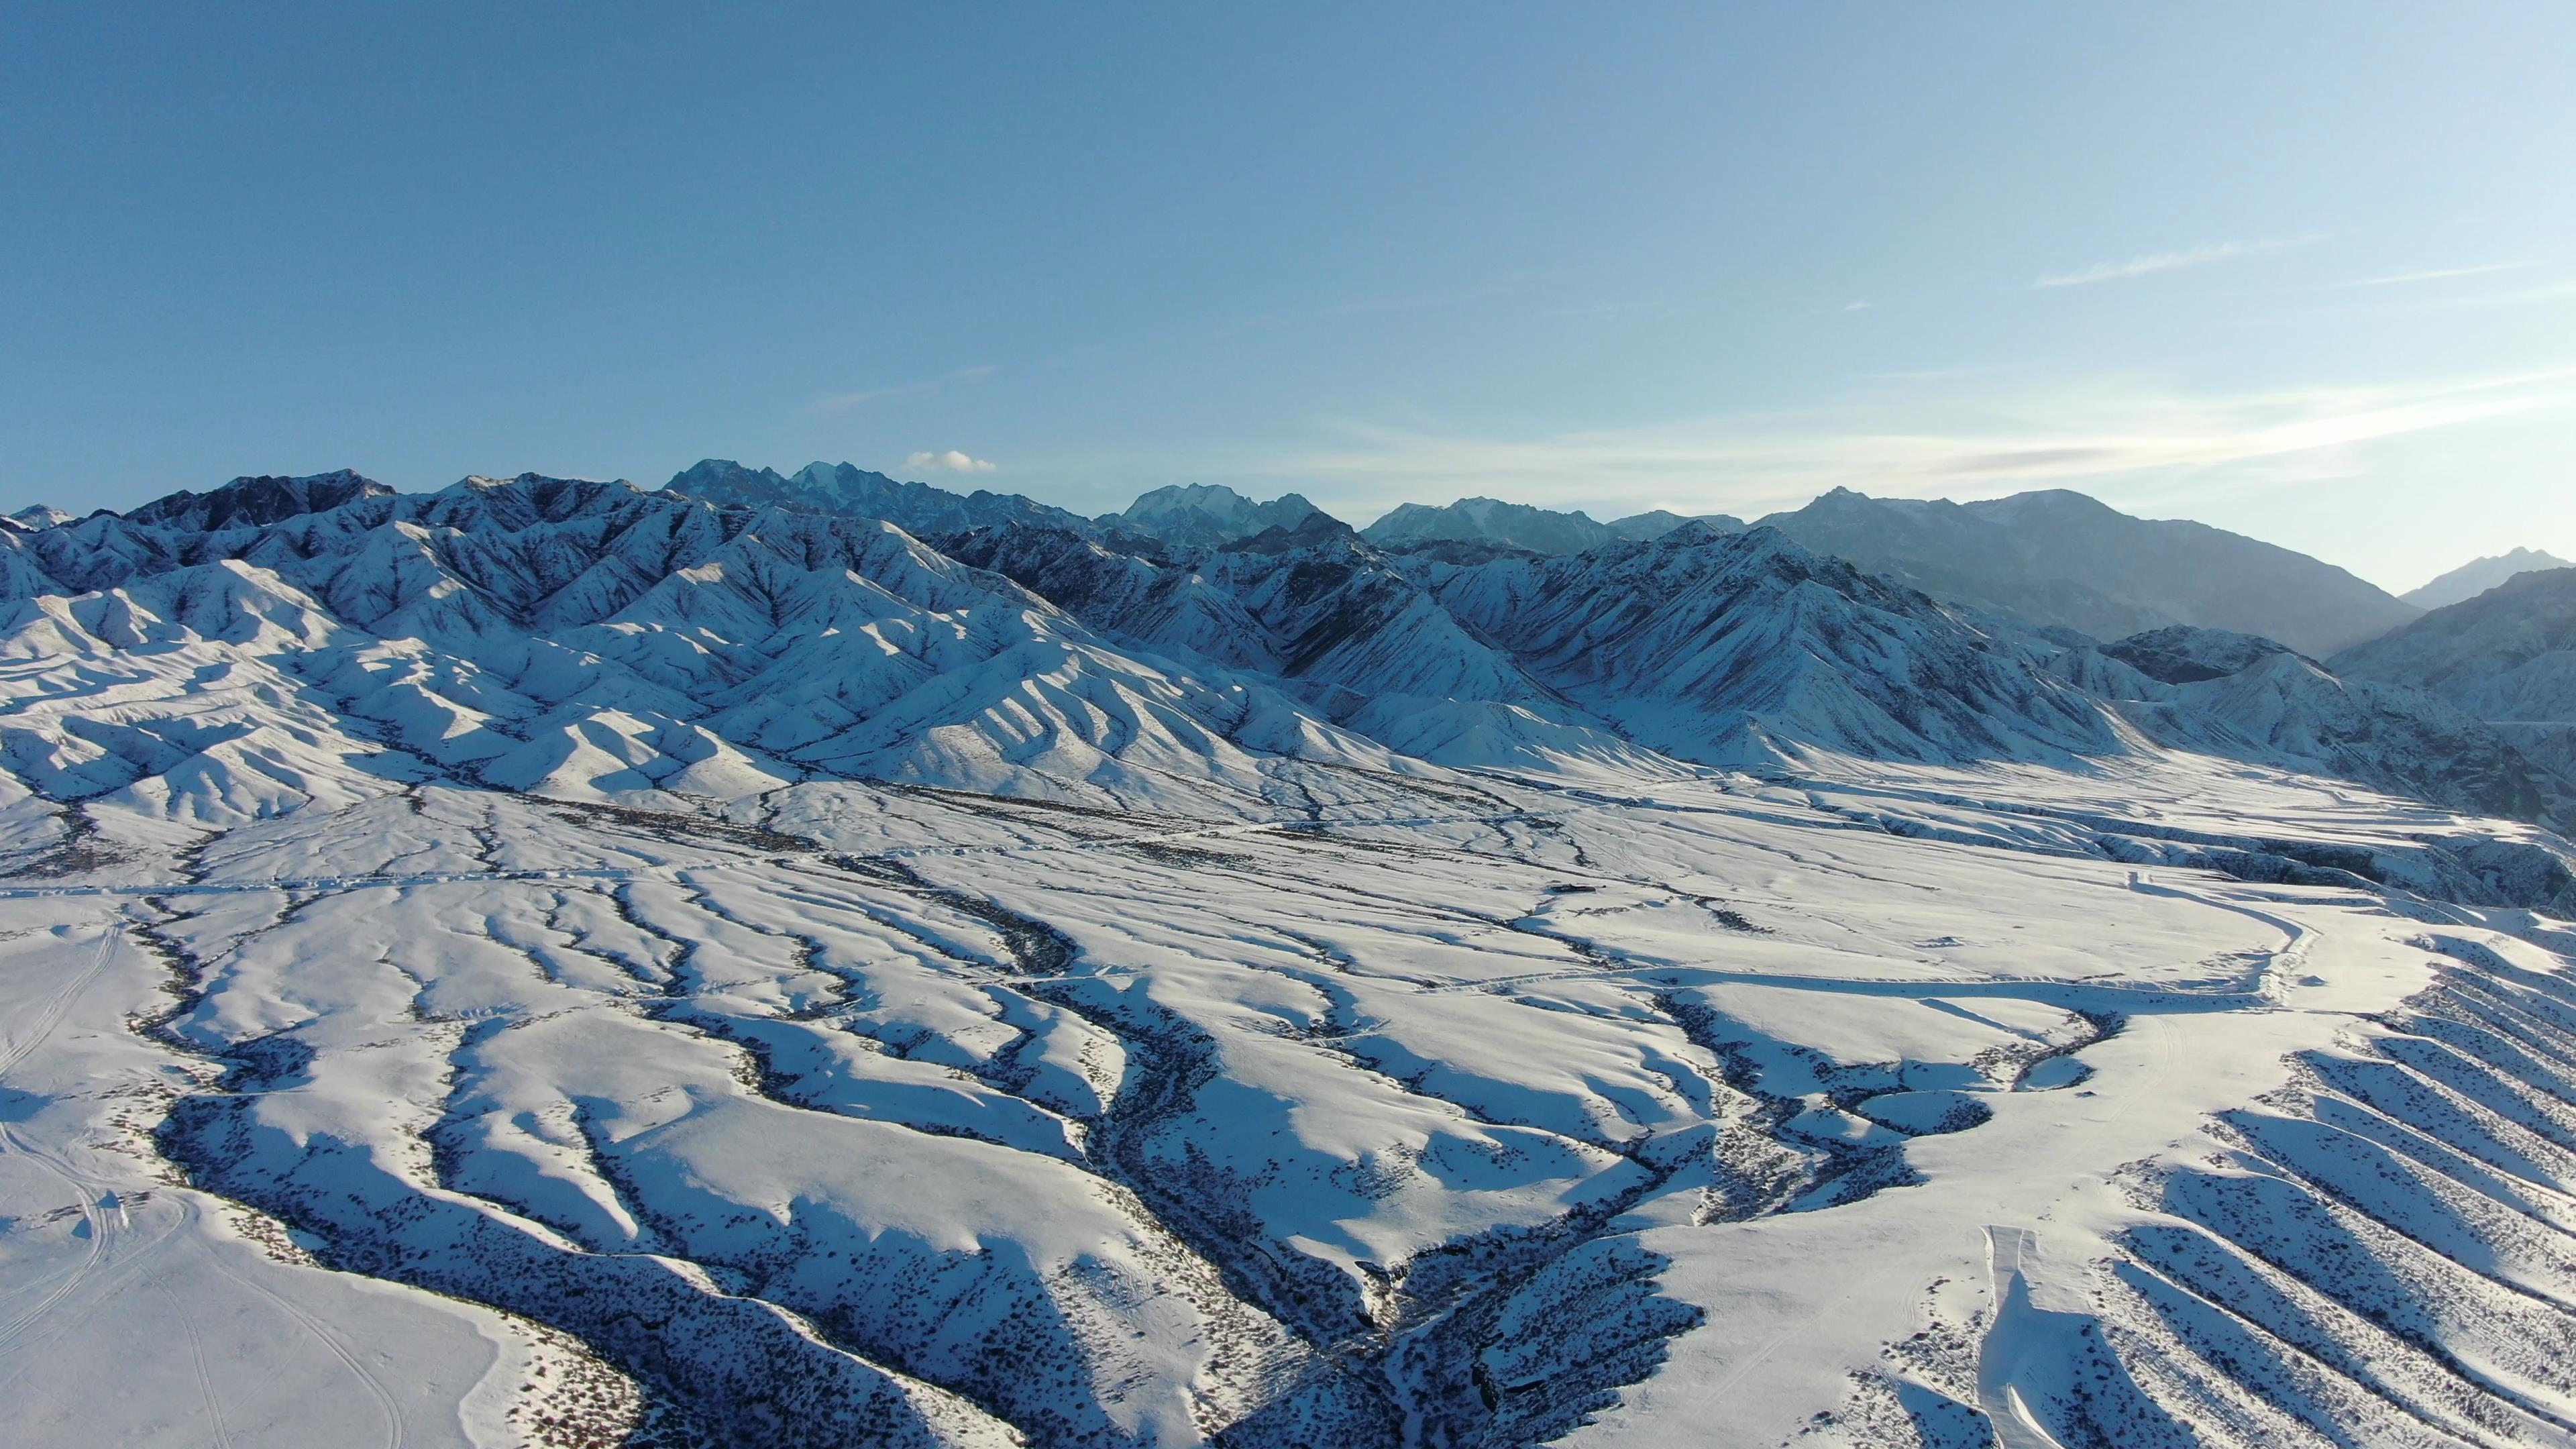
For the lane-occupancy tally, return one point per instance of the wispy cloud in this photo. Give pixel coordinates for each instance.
(2153, 262)
(1750, 464)
(1856, 306)
(2438, 274)
(953, 461)
(843, 402)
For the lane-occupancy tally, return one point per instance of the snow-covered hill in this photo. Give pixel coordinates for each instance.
(546, 962)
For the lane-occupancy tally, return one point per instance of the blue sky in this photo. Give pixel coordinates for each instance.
(2305, 271)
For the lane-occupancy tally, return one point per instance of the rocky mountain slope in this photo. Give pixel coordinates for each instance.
(2060, 558)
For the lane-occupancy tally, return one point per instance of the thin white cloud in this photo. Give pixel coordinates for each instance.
(952, 461)
(2153, 262)
(2438, 274)
(1856, 306)
(843, 402)
(1749, 464)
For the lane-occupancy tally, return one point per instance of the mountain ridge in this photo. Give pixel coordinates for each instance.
(2479, 575)
(2061, 558)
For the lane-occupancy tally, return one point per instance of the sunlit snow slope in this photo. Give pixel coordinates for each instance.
(546, 964)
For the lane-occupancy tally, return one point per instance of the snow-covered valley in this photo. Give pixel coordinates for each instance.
(546, 963)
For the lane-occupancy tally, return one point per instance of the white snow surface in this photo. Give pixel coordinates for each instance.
(545, 964)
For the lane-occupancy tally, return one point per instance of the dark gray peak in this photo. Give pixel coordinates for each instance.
(845, 490)
(2059, 557)
(1661, 521)
(1738, 647)
(1208, 514)
(260, 500)
(1490, 520)
(722, 480)
(2181, 654)
(41, 517)
(2507, 654)
(2476, 577)
(1315, 530)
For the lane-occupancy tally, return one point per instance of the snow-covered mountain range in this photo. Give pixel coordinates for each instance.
(811, 959)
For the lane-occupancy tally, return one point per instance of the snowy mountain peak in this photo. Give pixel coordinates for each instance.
(1207, 514)
(41, 517)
